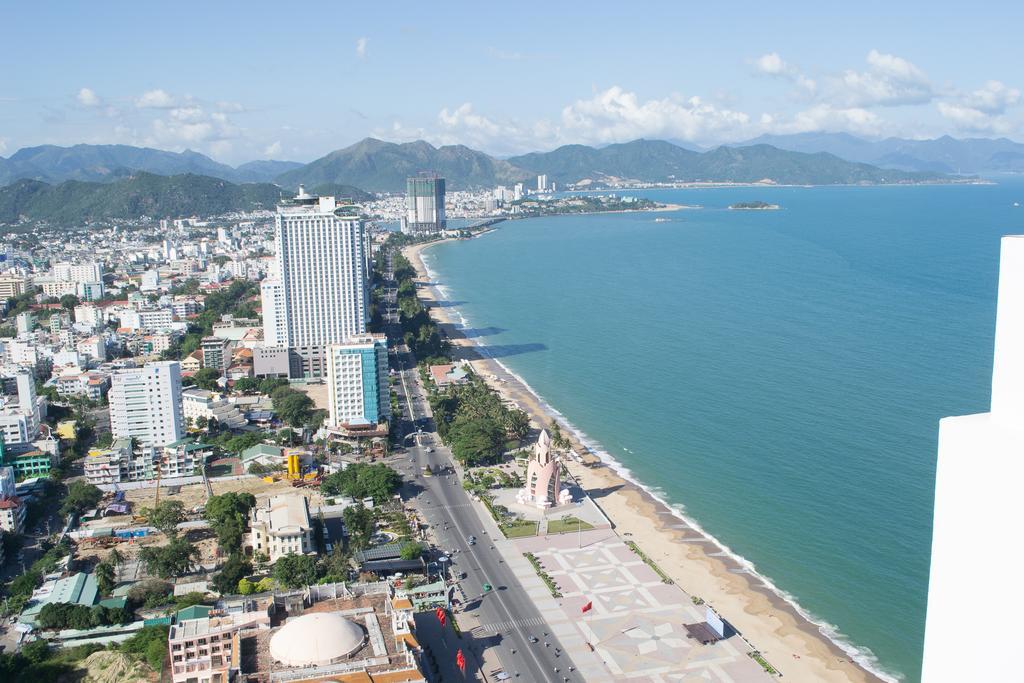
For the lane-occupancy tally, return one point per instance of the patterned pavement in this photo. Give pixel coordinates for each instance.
(636, 623)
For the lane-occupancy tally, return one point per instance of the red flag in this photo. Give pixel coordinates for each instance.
(460, 660)
(587, 607)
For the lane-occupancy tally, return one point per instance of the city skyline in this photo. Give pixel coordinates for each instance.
(518, 86)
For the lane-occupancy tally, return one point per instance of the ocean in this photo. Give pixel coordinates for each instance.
(779, 375)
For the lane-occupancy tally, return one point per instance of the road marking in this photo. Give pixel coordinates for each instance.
(516, 624)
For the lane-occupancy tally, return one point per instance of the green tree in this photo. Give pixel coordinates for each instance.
(361, 525)
(234, 570)
(517, 424)
(80, 497)
(227, 515)
(411, 551)
(293, 407)
(475, 440)
(148, 644)
(166, 516)
(105, 577)
(558, 439)
(69, 301)
(206, 378)
(174, 559)
(246, 385)
(295, 571)
(362, 480)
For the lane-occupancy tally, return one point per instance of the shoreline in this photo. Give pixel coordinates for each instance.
(797, 645)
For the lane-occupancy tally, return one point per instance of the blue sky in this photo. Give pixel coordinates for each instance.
(242, 81)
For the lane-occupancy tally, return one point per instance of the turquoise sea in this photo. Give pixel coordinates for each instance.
(779, 374)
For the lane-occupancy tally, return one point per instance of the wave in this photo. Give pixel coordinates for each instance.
(861, 655)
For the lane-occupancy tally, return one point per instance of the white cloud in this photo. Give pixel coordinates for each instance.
(273, 149)
(616, 115)
(971, 120)
(3, 145)
(888, 81)
(155, 99)
(88, 98)
(193, 127)
(771, 64)
(187, 114)
(825, 117)
(361, 47)
(993, 98)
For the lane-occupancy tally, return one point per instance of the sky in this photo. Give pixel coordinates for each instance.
(252, 80)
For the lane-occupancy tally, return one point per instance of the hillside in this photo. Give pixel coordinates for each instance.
(647, 160)
(108, 163)
(144, 194)
(380, 166)
(659, 161)
(940, 155)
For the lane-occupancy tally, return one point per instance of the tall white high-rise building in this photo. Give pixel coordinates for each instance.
(542, 183)
(320, 296)
(357, 381)
(972, 630)
(78, 272)
(145, 404)
(274, 330)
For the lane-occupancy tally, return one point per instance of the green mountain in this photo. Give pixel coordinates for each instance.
(342, 192)
(262, 171)
(107, 163)
(659, 161)
(384, 166)
(144, 194)
(647, 160)
(941, 155)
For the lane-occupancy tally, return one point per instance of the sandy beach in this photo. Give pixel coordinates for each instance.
(788, 640)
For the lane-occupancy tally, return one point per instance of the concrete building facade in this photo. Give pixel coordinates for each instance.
(282, 526)
(972, 628)
(145, 404)
(357, 381)
(322, 295)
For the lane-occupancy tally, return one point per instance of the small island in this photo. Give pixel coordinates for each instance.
(753, 206)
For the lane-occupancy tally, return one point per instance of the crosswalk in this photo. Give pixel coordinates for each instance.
(514, 624)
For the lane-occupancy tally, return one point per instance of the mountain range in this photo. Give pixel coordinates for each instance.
(74, 202)
(106, 163)
(378, 166)
(941, 155)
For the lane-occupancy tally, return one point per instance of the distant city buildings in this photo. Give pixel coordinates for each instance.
(424, 204)
(145, 404)
(542, 183)
(972, 627)
(357, 381)
(320, 293)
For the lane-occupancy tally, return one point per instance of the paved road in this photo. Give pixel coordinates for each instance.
(506, 614)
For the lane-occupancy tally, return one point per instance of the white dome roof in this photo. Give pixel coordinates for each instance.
(319, 638)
